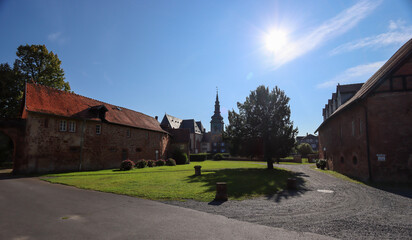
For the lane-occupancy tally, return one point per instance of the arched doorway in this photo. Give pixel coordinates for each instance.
(6, 151)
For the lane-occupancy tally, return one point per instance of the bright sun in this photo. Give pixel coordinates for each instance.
(275, 40)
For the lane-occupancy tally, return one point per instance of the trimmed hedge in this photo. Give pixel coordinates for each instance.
(199, 157)
(218, 157)
(141, 163)
(126, 165)
(170, 162)
(151, 163)
(160, 162)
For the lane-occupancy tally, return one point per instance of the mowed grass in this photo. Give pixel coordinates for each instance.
(244, 180)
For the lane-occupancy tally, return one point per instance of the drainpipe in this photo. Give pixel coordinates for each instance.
(367, 143)
(81, 145)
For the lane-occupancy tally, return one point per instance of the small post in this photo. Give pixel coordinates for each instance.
(291, 184)
(198, 171)
(221, 191)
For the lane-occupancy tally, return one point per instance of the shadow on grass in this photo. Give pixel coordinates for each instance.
(243, 183)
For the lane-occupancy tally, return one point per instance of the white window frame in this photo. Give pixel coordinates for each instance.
(72, 126)
(98, 129)
(63, 126)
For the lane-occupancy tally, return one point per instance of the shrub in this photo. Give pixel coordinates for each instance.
(180, 156)
(170, 162)
(126, 165)
(218, 156)
(304, 149)
(160, 162)
(200, 157)
(151, 163)
(141, 164)
(321, 163)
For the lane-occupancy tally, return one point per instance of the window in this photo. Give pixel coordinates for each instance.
(72, 126)
(355, 160)
(63, 126)
(215, 144)
(98, 129)
(128, 133)
(223, 144)
(157, 154)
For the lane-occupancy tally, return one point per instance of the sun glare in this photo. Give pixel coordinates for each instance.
(276, 40)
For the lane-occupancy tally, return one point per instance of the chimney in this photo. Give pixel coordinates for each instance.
(156, 117)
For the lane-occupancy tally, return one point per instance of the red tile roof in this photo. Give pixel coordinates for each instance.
(48, 100)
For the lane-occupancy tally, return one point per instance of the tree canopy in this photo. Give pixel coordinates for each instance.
(262, 126)
(304, 149)
(35, 64)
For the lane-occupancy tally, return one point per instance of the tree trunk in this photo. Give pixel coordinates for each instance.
(269, 163)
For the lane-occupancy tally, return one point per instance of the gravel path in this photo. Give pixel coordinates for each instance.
(351, 211)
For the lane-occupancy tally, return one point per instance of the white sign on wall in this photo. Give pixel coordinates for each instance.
(381, 157)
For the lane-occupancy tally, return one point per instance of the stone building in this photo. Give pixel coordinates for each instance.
(62, 131)
(369, 136)
(200, 140)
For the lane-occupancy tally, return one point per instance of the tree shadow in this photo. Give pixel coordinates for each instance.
(243, 183)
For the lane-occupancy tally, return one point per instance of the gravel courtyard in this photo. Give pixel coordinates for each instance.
(345, 210)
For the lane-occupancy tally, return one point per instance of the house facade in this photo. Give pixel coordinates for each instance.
(200, 140)
(369, 135)
(310, 139)
(67, 132)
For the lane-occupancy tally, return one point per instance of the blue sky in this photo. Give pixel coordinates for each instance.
(160, 57)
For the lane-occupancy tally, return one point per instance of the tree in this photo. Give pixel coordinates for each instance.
(11, 91)
(262, 125)
(304, 149)
(34, 64)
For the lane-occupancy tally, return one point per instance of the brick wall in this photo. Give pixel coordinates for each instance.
(389, 129)
(49, 149)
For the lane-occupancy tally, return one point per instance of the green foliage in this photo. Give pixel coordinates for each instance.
(160, 162)
(180, 156)
(199, 157)
(11, 91)
(37, 63)
(262, 126)
(34, 63)
(304, 149)
(218, 157)
(321, 163)
(141, 163)
(170, 162)
(126, 165)
(151, 163)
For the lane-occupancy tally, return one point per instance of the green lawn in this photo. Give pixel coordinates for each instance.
(244, 179)
(337, 175)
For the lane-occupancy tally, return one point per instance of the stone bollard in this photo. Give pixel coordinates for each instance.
(221, 191)
(198, 172)
(291, 184)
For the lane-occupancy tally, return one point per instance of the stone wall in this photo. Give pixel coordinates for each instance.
(49, 149)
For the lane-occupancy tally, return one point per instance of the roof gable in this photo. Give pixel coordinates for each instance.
(377, 78)
(48, 100)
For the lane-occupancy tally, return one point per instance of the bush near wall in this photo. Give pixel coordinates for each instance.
(170, 162)
(126, 165)
(141, 163)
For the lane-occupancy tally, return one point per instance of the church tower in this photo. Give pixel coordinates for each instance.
(216, 125)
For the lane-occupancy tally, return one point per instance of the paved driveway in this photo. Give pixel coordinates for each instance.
(33, 209)
(325, 205)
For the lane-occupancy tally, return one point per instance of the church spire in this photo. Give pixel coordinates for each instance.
(216, 125)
